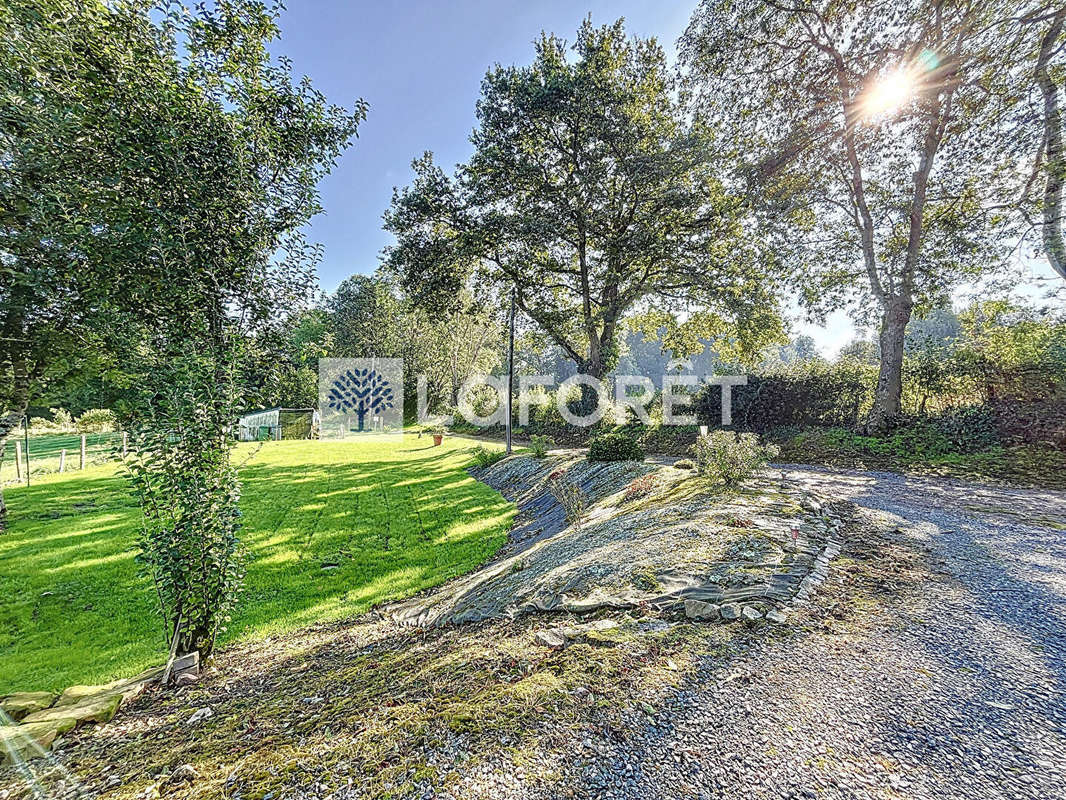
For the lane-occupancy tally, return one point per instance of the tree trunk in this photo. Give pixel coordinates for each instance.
(589, 399)
(1054, 246)
(889, 393)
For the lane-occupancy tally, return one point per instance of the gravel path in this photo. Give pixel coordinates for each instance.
(957, 689)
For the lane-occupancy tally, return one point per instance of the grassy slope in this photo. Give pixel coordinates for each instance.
(395, 516)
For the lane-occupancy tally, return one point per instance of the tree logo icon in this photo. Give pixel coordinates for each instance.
(360, 392)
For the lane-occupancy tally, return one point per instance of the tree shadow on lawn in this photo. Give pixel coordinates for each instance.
(325, 541)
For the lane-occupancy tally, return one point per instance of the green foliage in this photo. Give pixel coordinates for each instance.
(540, 445)
(75, 611)
(883, 210)
(369, 317)
(615, 447)
(61, 422)
(96, 420)
(628, 206)
(731, 457)
(811, 393)
(486, 457)
(180, 470)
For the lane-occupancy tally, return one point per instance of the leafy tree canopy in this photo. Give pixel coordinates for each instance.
(589, 196)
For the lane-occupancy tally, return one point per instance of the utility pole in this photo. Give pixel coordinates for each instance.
(510, 371)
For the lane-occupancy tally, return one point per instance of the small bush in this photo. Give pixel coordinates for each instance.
(484, 457)
(539, 445)
(61, 422)
(615, 447)
(640, 487)
(96, 420)
(731, 457)
(569, 495)
(685, 463)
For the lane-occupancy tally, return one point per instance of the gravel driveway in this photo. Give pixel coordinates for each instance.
(953, 689)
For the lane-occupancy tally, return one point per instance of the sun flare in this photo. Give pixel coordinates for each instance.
(888, 94)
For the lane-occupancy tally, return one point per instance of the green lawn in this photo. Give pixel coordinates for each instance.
(395, 515)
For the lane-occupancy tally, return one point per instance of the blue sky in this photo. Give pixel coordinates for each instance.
(419, 65)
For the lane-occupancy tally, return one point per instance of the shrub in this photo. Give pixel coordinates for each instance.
(484, 457)
(539, 445)
(569, 495)
(96, 420)
(685, 463)
(731, 457)
(615, 447)
(640, 487)
(61, 422)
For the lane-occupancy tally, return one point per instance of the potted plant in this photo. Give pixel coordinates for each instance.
(437, 431)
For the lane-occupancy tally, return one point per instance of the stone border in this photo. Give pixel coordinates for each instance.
(38, 719)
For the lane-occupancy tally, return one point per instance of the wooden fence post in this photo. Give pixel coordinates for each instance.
(62, 459)
(81, 464)
(18, 460)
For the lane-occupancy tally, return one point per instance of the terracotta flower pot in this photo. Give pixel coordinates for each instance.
(437, 439)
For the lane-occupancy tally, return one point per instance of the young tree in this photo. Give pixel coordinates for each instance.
(867, 130)
(590, 197)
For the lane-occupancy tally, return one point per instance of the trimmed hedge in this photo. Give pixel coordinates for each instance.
(615, 447)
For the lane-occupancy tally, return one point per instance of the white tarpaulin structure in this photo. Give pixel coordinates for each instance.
(277, 423)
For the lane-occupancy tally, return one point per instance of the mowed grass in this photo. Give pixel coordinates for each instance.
(45, 450)
(331, 528)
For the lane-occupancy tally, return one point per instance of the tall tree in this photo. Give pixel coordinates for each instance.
(1033, 63)
(158, 168)
(867, 130)
(588, 194)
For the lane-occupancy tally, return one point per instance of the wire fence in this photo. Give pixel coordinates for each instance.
(56, 452)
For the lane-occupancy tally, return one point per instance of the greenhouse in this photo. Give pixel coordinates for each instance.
(277, 423)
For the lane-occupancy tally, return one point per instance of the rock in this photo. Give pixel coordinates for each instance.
(128, 688)
(98, 708)
(30, 740)
(186, 773)
(777, 617)
(730, 611)
(186, 679)
(600, 625)
(552, 637)
(21, 704)
(199, 715)
(750, 614)
(701, 610)
(188, 664)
